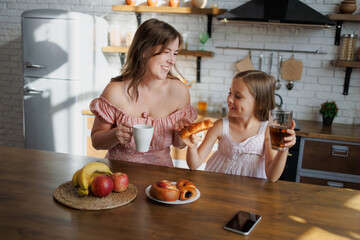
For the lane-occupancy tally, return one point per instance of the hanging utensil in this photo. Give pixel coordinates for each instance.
(291, 71)
(244, 64)
(278, 82)
(261, 56)
(270, 64)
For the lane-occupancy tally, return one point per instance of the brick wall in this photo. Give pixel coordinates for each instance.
(320, 80)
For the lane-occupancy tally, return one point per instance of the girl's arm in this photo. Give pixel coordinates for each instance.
(275, 160)
(196, 156)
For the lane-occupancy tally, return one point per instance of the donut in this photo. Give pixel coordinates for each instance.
(187, 189)
(164, 190)
(187, 192)
(183, 182)
(195, 128)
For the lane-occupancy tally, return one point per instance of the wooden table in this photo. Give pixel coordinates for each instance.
(290, 210)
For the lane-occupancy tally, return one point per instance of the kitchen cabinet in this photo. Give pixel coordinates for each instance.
(329, 162)
(88, 150)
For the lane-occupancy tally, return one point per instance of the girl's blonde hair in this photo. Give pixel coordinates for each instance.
(150, 35)
(262, 87)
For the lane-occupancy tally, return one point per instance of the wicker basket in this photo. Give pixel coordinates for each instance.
(67, 195)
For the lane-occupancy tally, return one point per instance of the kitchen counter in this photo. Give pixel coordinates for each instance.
(289, 210)
(340, 132)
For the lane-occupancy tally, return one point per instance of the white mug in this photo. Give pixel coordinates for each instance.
(142, 135)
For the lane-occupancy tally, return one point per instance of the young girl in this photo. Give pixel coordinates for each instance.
(244, 146)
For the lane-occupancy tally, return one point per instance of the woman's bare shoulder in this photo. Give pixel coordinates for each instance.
(180, 92)
(114, 92)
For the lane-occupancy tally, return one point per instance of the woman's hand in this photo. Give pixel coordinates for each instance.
(123, 133)
(291, 139)
(178, 126)
(184, 122)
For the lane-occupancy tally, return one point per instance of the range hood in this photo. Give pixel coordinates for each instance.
(285, 12)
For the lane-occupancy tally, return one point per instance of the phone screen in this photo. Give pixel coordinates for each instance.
(243, 222)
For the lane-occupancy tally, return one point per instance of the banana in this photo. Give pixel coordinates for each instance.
(88, 170)
(83, 192)
(74, 178)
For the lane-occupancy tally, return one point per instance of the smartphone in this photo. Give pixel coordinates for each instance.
(243, 222)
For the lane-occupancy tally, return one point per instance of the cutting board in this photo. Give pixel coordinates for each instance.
(291, 69)
(244, 64)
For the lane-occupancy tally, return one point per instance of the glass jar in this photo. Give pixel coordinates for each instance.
(348, 45)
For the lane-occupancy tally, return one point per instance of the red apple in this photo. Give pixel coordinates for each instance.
(102, 186)
(121, 181)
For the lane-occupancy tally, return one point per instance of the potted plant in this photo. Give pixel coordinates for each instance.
(329, 111)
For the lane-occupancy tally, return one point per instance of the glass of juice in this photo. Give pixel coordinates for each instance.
(279, 122)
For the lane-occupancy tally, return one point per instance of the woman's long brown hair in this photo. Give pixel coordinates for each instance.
(149, 36)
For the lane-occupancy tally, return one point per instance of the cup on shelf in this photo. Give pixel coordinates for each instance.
(115, 35)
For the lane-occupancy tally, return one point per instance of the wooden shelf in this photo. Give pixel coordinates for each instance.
(182, 52)
(346, 64)
(176, 10)
(197, 54)
(138, 10)
(340, 18)
(345, 17)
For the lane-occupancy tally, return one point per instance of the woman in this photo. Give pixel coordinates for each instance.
(145, 93)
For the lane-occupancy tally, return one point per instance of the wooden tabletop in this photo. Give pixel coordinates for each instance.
(289, 210)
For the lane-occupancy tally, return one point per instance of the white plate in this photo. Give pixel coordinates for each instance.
(147, 191)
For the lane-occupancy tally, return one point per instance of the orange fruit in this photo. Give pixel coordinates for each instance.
(131, 2)
(152, 3)
(174, 3)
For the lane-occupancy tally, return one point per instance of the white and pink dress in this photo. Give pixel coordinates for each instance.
(246, 158)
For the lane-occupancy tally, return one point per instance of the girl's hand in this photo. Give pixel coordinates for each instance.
(191, 141)
(123, 133)
(291, 139)
(179, 125)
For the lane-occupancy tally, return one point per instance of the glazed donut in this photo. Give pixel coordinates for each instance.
(187, 192)
(195, 128)
(164, 190)
(183, 182)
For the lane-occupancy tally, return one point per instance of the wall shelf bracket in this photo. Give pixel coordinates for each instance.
(198, 67)
(347, 80)
(122, 58)
(338, 32)
(138, 18)
(209, 24)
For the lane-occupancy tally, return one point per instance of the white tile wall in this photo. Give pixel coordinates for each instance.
(320, 80)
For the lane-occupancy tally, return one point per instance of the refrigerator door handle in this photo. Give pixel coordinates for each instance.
(33, 91)
(29, 65)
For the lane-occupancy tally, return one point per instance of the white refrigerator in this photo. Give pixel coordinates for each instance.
(64, 69)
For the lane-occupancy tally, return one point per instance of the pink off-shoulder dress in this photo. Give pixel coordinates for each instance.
(159, 151)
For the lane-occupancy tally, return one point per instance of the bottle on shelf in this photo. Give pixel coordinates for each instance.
(348, 46)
